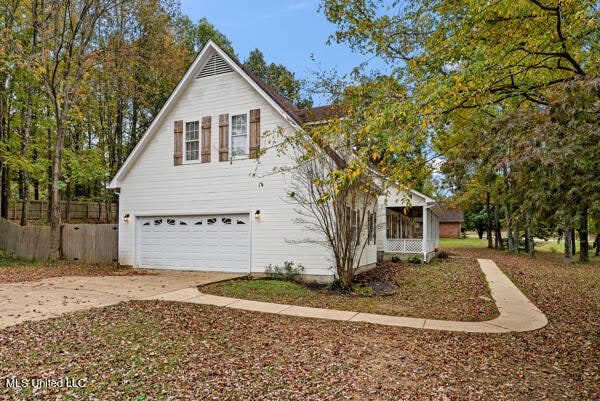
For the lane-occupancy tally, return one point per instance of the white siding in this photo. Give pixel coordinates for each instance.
(153, 186)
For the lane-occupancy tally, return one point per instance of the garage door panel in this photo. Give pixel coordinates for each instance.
(204, 243)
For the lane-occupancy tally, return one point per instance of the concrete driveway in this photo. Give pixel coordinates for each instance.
(43, 299)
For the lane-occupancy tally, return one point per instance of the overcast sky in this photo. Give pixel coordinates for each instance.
(287, 32)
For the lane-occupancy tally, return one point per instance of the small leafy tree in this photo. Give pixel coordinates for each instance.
(335, 206)
(342, 161)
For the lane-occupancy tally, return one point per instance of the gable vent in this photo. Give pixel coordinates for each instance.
(215, 66)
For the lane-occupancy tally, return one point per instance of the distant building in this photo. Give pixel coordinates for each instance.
(450, 223)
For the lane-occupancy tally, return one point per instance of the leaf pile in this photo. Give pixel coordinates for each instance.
(20, 272)
(176, 351)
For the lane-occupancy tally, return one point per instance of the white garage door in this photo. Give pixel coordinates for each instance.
(205, 243)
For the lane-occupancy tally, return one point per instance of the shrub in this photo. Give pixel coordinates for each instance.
(288, 272)
(415, 259)
(337, 285)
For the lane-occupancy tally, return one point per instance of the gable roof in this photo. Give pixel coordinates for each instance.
(319, 114)
(286, 109)
(450, 215)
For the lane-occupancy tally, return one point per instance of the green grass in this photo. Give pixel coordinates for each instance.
(469, 242)
(554, 247)
(473, 242)
(448, 289)
(262, 290)
(8, 260)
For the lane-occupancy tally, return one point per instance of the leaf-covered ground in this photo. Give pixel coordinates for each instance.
(176, 351)
(446, 289)
(15, 271)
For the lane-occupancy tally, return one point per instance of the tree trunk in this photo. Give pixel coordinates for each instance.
(119, 135)
(69, 195)
(489, 220)
(1, 188)
(584, 254)
(4, 170)
(346, 275)
(568, 255)
(24, 147)
(509, 230)
(55, 218)
(517, 236)
(134, 122)
(573, 242)
(28, 121)
(3, 134)
(49, 174)
(5, 192)
(529, 243)
(497, 228)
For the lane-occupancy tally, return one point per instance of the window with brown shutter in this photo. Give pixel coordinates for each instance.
(205, 153)
(178, 143)
(192, 141)
(223, 137)
(254, 133)
(238, 127)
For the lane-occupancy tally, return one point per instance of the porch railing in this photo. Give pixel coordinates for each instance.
(404, 245)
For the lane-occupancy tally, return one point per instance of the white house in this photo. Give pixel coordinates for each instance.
(188, 195)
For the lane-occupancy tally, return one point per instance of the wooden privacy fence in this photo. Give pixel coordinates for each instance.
(81, 211)
(27, 243)
(92, 243)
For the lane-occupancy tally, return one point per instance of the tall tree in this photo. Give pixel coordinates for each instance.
(64, 61)
(504, 58)
(194, 36)
(278, 77)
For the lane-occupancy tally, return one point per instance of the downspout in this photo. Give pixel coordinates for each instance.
(425, 231)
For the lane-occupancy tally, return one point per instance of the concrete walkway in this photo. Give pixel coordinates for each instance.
(52, 297)
(43, 299)
(517, 313)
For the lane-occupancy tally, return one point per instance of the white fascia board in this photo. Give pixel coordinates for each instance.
(435, 208)
(426, 198)
(422, 200)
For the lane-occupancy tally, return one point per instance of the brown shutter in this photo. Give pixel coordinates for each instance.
(223, 137)
(178, 143)
(205, 153)
(254, 133)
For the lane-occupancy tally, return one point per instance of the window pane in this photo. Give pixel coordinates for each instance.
(239, 125)
(238, 145)
(239, 135)
(192, 140)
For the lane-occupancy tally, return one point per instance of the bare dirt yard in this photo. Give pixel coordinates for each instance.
(156, 350)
